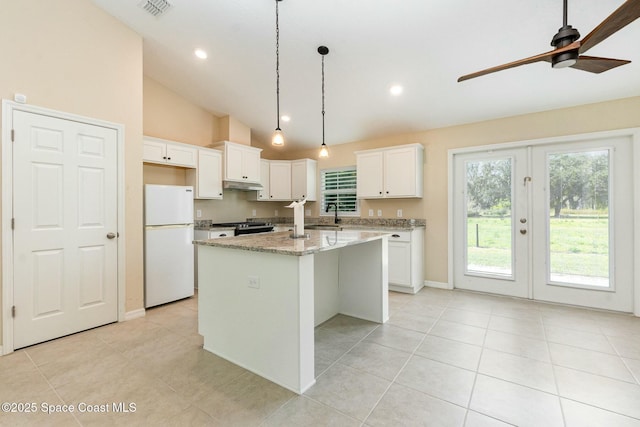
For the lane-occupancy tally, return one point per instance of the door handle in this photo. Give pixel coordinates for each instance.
(523, 231)
(111, 235)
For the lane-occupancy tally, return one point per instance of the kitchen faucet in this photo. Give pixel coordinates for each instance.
(336, 220)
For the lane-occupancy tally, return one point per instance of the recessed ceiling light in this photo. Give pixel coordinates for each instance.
(285, 118)
(200, 53)
(395, 90)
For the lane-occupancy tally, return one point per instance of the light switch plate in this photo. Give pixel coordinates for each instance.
(379, 212)
(253, 212)
(399, 213)
(370, 212)
(198, 213)
(276, 214)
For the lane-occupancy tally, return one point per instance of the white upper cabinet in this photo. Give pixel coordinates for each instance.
(206, 179)
(303, 179)
(265, 175)
(241, 162)
(156, 150)
(393, 172)
(279, 180)
(370, 183)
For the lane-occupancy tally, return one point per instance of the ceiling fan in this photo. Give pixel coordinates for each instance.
(569, 50)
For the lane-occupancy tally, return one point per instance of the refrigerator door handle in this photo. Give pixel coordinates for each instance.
(158, 227)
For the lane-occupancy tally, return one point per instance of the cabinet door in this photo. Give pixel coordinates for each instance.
(280, 180)
(233, 163)
(303, 179)
(400, 172)
(369, 175)
(209, 173)
(154, 152)
(251, 165)
(181, 155)
(264, 180)
(400, 263)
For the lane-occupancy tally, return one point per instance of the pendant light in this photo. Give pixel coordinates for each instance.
(277, 138)
(324, 151)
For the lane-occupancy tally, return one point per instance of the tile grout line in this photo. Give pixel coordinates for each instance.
(393, 381)
(51, 386)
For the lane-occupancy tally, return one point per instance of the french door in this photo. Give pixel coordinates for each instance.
(550, 222)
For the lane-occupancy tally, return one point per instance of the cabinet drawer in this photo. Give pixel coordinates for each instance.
(400, 236)
(214, 234)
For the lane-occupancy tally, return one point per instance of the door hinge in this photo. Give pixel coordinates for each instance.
(13, 135)
(13, 223)
(13, 311)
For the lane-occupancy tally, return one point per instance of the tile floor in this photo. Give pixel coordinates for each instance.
(445, 358)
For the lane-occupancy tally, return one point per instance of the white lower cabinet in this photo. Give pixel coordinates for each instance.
(206, 235)
(406, 261)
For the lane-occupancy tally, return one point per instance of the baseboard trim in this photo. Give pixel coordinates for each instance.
(135, 314)
(437, 285)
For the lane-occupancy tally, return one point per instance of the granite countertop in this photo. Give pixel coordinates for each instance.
(212, 228)
(349, 227)
(282, 243)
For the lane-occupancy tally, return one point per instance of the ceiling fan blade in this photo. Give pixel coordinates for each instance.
(597, 65)
(623, 16)
(542, 57)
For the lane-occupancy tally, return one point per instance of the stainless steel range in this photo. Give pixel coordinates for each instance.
(246, 227)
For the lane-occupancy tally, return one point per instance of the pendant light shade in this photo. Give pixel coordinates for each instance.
(324, 151)
(277, 138)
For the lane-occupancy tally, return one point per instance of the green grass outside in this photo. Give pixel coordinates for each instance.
(579, 246)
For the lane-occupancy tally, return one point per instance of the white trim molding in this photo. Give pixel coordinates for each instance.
(8, 108)
(134, 314)
(437, 285)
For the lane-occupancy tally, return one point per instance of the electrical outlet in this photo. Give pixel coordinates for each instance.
(307, 212)
(254, 282)
(253, 212)
(199, 213)
(379, 212)
(399, 213)
(370, 212)
(276, 214)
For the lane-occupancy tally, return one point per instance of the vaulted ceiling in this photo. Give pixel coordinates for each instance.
(423, 45)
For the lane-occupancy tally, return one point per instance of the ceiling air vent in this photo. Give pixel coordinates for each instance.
(155, 7)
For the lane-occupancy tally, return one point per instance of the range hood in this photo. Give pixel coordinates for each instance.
(241, 185)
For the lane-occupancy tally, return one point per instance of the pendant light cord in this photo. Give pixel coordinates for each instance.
(277, 67)
(322, 99)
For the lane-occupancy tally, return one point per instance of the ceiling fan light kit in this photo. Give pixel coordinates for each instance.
(569, 50)
(278, 137)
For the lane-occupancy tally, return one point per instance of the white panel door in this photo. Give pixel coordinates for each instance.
(491, 231)
(583, 211)
(65, 206)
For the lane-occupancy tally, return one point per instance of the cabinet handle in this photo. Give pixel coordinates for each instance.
(387, 192)
(271, 197)
(168, 158)
(164, 157)
(395, 235)
(381, 192)
(220, 194)
(303, 196)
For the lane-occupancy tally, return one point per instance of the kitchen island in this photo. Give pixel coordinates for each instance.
(260, 296)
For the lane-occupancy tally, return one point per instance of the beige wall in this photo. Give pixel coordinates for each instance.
(618, 114)
(70, 56)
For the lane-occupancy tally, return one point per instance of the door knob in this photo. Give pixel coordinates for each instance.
(523, 231)
(523, 220)
(111, 236)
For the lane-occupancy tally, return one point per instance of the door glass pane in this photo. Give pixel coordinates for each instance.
(489, 223)
(579, 218)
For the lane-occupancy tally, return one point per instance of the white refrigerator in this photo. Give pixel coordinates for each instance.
(168, 243)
